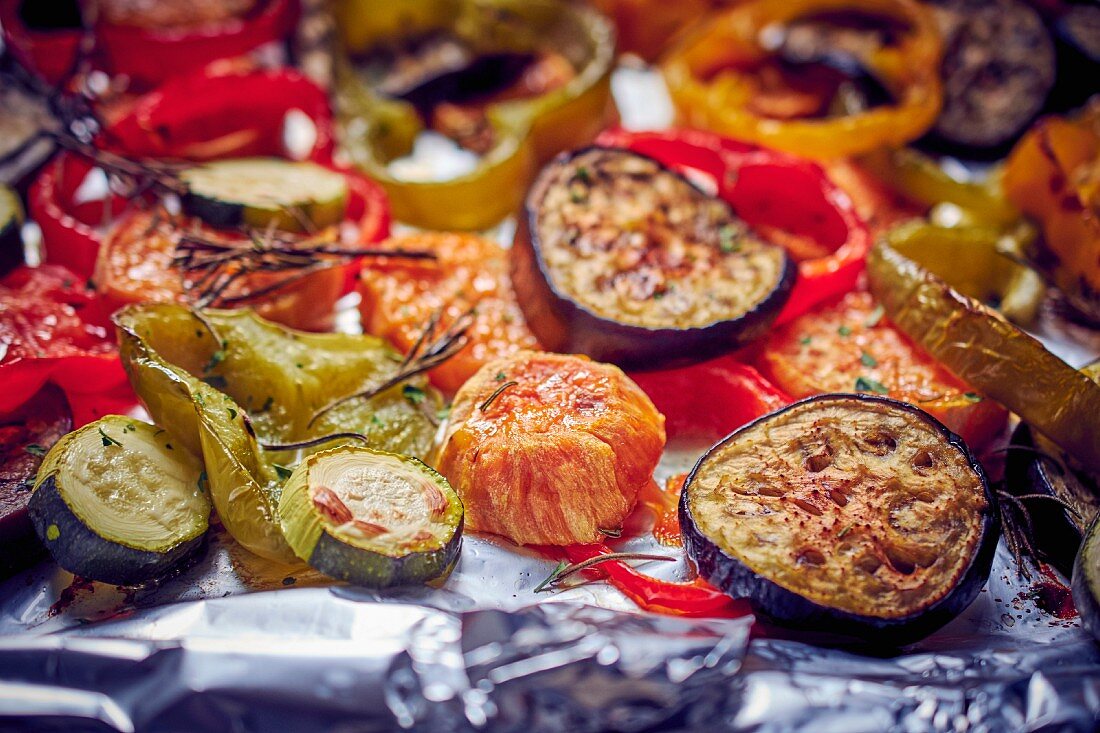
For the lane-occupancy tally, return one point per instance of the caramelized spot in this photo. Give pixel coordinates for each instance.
(806, 506)
(922, 460)
(818, 463)
(811, 557)
(331, 506)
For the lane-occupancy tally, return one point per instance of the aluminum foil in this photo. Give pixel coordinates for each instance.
(234, 643)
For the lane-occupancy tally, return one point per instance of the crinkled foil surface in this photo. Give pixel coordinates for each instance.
(234, 644)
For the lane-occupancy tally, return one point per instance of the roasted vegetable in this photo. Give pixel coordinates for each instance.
(50, 332)
(371, 518)
(1034, 466)
(994, 357)
(850, 346)
(271, 386)
(997, 69)
(117, 501)
(26, 433)
(848, 514)
(141, 261)
(976, 261)
(550, 449)
(1086, 579)
(259, 192)
(469, 273)
(725, 76)
(521, 128)
(622, 259)
(11, 223)
(790, 201)
(1053, 175)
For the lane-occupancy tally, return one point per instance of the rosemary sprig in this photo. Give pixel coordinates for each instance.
(313, 442)
(1019, 530)
(496, 393)
(216, 264)
(426, 354)
(563, 570)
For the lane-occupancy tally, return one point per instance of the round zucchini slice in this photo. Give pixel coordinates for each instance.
(11, 224)
(624, 260)
(117, 502)
(853, 515)
(296, 196)
(371, 518)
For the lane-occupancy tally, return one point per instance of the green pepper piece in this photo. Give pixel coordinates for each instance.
(987, 352)
(224, 381)
(526, 132)
(923, 181)
(972, 260)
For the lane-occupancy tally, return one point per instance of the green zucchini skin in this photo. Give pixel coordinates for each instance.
(374, 570)
(218, 214)
(564, 325)
(78, 549)
(1086, 580)
(785, 607)
(11, 236)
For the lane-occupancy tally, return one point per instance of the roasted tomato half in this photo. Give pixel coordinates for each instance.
(849, 346)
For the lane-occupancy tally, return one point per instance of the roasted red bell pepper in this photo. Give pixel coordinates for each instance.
(52, 330)
(693, 598)
(787, 199)
(148, 56)
(222, 111)
(710, 399)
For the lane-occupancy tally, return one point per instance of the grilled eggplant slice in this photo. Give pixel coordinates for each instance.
(260, 192)
(848, 514)
(1035, 465)
(622, 259)
(116, 501)
(25, 436)
(371, 518)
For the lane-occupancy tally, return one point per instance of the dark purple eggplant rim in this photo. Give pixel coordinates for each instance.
(605, 339)
(786, 607)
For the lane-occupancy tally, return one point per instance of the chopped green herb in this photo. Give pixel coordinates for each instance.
(867, 360)
(443, 412)
(874, 317)
(583, 174)
(375, 421)
(232, 413)
(727, 239)
(202, 482)
(52, 532)
(973, 397)
(35, 449)
(108, 440)
(844, 531)
(129, 427)
(267, 404)
(500, 377)
(805, 340)
(298, 364)
(576, 197)
(866, 384)
(282, 471)
(169, 446)
(216, 358)
(413, 394)
(844, 331)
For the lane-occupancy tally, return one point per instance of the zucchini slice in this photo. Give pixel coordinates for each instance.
(11, 224)
(371, 518)
(259, 191)
(116, 501)
(854, 515)
(623, 259)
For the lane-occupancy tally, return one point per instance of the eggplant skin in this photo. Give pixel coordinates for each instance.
(784, 607)
(78, 549)
(563, 325)
(337, 560)
(1086, 580)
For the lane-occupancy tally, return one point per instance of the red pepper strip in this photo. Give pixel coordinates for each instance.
(150, 56)
(48, 53)
(769, 190)
(69, 229)
(710, 399)
(696, 598)
(50, 330)
(223, 111)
